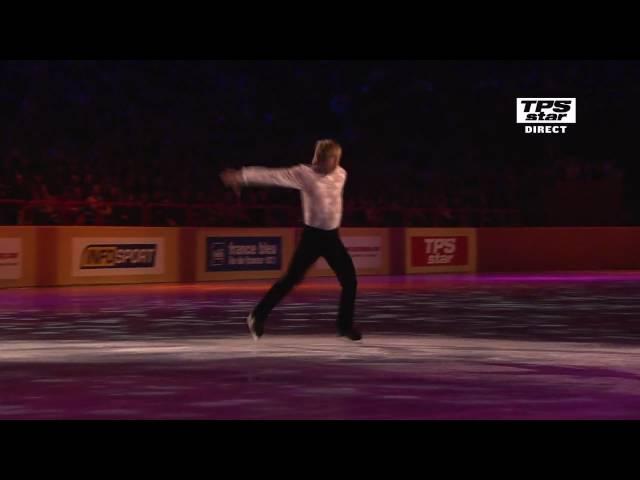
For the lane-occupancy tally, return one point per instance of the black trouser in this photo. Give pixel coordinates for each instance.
(316, 243)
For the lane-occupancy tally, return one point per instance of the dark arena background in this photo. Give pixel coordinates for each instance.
(498, 269)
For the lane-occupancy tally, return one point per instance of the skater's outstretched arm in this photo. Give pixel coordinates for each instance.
(262, 176)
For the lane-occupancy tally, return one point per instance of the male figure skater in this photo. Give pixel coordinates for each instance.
(321, 185)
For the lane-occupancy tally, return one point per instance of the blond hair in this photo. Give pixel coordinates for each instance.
(323, 147)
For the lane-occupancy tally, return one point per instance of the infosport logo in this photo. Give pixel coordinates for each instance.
(118, 256)
(546, 115)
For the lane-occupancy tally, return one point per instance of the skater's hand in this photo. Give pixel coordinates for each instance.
(232, 179)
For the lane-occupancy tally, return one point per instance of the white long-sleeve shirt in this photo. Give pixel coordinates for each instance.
(321, 194)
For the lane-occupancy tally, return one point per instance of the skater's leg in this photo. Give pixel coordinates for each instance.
(341, 263)
(305, 255)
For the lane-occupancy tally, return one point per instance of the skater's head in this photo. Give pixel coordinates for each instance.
(327, 156)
